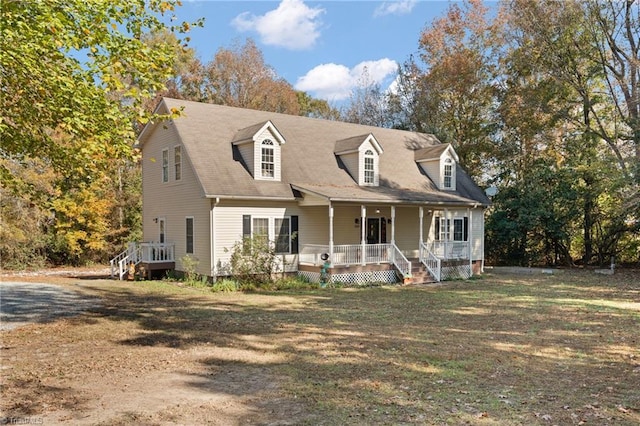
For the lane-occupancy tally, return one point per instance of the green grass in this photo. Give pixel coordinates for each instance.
(502, 350)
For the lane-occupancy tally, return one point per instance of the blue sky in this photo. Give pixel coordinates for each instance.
(320, 47)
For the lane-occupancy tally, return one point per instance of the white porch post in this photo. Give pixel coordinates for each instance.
(393, 225)
(447, 233)
(363, 216)
(330, 233)
(421, 214)
(470, 237)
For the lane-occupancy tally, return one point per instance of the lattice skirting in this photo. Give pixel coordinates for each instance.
(354, 278)
(456, 272)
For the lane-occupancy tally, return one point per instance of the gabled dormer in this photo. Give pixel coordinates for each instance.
(361, 157)
(439, 162)
(260, 148)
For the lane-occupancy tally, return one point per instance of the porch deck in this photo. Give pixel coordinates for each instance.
(147, 257)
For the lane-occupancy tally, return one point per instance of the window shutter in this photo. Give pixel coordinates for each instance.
(437, 230)
(246, 232)
(465, 229)
(294, 234)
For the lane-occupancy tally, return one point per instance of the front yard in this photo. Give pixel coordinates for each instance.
(501, 350)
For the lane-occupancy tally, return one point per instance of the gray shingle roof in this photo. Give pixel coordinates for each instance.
(308, 159)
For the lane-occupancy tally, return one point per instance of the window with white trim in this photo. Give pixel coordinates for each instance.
(448, 173)
(282, 232)
(369, 168)
(177, 162)
(443, 229)
(267, 159)
(165, 165)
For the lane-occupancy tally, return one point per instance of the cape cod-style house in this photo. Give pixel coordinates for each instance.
(353, 202)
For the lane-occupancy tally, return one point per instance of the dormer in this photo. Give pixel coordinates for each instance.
(259, 146)
(361, 157)
(439, 163)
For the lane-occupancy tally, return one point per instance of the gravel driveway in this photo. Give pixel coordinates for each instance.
(24, 303)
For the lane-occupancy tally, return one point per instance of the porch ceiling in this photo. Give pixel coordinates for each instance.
(382, 194)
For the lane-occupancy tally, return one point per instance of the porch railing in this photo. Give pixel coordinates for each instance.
(141, 252)
(449, 249)
(400, 261)
(430, 261)
(351, 254)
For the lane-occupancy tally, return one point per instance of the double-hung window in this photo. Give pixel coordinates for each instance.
(369, 168)
(448, 173)
(280, 231)
(177, 162)
(268, 159)
(165, 165)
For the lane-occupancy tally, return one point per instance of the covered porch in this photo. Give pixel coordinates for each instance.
(366, 240)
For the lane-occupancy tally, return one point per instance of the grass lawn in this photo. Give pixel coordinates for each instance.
(558, 349)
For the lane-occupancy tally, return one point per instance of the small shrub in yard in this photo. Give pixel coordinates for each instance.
(293, 283)
(225, 285)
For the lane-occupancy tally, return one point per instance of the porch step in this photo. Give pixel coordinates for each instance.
(419, 273)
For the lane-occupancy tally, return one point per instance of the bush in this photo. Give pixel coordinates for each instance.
(225, 285)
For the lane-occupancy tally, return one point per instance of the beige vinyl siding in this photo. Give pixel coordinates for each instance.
(246, 152)
(432, 169)
(351, 162)
(477, 233)
(174, 200)
(408, 229)
(228, 226)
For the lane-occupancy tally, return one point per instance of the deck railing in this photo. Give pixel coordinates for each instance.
(352, 254)
(449, 249)
(141, 252)
(430, 261)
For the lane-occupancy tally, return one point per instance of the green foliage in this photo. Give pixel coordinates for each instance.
(225, 285)
(75, 77)
(190, 267)
(254, 261)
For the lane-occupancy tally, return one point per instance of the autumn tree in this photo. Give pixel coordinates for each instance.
(74, 77)
(453, 88)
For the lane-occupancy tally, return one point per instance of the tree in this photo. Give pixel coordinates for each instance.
(74, 76)
(454, 95)
(368, 105)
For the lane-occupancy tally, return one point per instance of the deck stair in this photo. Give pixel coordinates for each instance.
(419, 273)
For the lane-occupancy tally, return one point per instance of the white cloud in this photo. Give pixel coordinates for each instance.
(400, 7)
(335, 82)
(293, 25)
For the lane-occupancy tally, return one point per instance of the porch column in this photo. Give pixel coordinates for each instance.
(421, 214)
(470, 221)
(393, 225)
(330, 233)
(363, 218)
(447, 233)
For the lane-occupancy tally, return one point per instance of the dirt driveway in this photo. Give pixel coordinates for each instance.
(76, 353)
(23, 303)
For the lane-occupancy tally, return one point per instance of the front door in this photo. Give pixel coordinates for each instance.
(376, 230)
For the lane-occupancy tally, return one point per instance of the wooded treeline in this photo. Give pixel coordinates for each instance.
(541, 100)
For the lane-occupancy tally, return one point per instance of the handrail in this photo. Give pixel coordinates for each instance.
(430, 261)
(141, 252)
(400, 261)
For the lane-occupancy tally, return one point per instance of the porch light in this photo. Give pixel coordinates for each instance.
(155, 220)
(388, 220)
(357, 221)
(377, 211)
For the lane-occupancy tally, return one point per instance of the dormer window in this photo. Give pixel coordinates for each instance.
(369, 169)
(439, 163)
(448, 173)
(260, 147)
(360, 156)
(268, 163)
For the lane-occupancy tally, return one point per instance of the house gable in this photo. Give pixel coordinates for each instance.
(361, 157)
(439, 163)
(260, 148)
